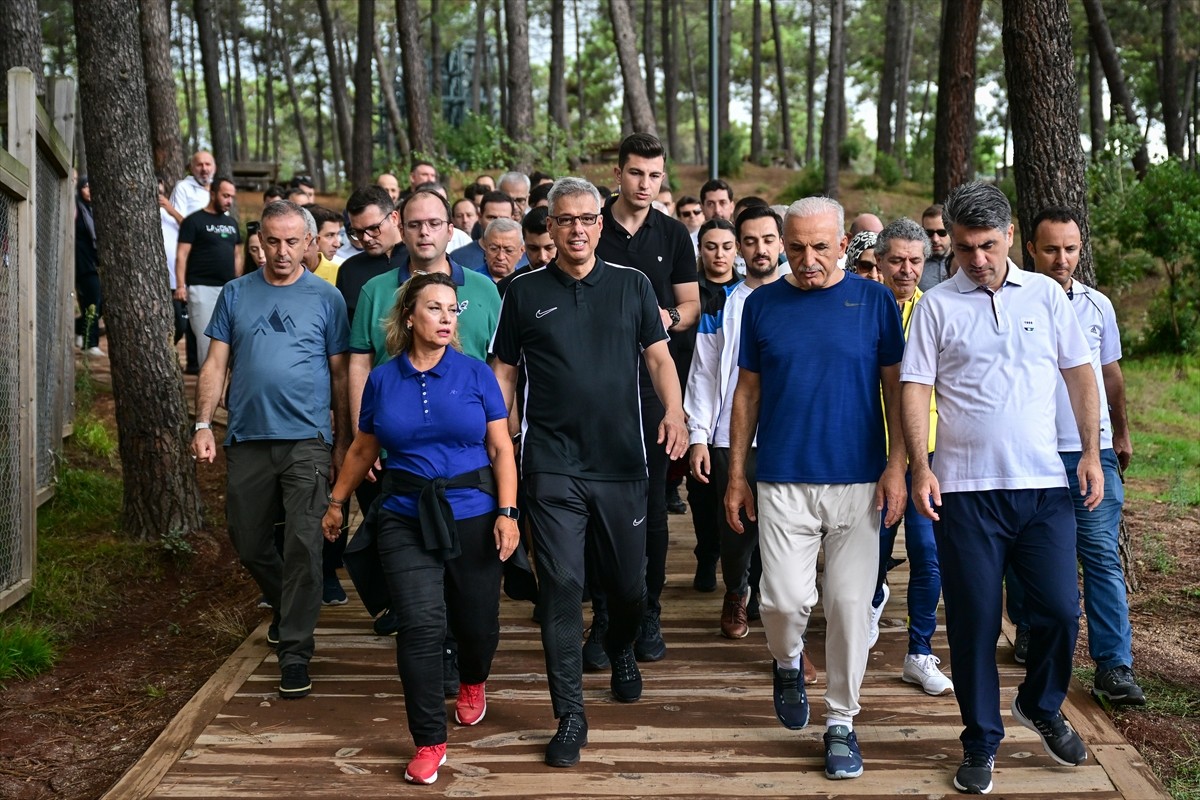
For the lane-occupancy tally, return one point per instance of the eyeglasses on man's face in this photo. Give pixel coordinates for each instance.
(360, 234)
(434, 225)
(567, 220)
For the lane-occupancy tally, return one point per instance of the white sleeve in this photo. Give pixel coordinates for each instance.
(1073, 349)
(920, 363)
(1110, 335)
(701, 402)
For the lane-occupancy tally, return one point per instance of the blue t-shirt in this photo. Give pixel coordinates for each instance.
(818, 354)
(280, 339)
(434, 424)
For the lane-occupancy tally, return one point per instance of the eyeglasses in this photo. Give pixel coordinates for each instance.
(695, 213)
(359, 234)
(521, 200)
(434, 225)
(930, 232)
(496, 250)
(568, 220)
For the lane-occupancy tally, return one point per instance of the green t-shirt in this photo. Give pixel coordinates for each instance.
(478, 312)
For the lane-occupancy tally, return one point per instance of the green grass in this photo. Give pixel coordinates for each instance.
(25, 650)
(1163, 402)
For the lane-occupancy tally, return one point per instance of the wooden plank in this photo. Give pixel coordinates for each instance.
(14, 177)
(1129, 772)
(141, 779)
(53, 143)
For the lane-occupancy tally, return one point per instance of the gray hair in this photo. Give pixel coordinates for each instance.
(816, 206)
(310, 222)
(286, 208)
(511, 177)
(501, 225)
(977, 205)
(903, 229)
(570, 187)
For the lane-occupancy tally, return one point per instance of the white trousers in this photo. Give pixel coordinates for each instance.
(794, 519)
(201, 302)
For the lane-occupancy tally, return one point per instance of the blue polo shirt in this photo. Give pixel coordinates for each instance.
(818, 355)
(434, 424)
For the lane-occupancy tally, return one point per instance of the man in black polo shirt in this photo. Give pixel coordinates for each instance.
(637, 235)
(577, 328)
(375, 227)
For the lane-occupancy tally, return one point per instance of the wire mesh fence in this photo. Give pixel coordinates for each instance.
(49, 319)
(11, 522)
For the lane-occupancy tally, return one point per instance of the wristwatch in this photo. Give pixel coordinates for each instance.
(673, 313)
(203, 426)
(510, 512)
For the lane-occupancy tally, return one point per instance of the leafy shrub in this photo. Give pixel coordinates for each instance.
(809, 181)
(731, 152)
(887, 169)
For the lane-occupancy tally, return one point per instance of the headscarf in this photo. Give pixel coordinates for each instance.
(858, 245)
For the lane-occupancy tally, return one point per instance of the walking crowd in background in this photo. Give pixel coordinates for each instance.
(514, 385)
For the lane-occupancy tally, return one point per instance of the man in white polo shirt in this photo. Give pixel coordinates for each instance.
(993, 341)
(1055, 246)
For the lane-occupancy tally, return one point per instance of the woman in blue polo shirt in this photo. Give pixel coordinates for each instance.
(441, 418)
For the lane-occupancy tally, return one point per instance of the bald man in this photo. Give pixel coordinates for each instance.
(192, 193)
(865, 222)
(387, 181)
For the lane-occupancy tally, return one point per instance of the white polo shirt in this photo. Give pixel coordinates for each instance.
(189, 196)
(1099, 322)
(994, 360)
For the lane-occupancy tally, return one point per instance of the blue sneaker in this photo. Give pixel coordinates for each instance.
(791, 701)
(842, 759)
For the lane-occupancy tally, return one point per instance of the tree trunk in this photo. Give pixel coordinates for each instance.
(1169, 91)
(724, 65)
(501, 66)
(691, 62)
(520, 84)
(831, 139)
(1111, 60)
(416, 82)
(388, 89)
(337, 83)
(477, 59)
(21, 35)
(1096, 123)
(888, 77)
(785, 116)
(239, 99)
(271, 134)
(954, 131)
(210, 58)
(435, 53)
(162, 107)
(900, 145)
(160, 492)
(756, 35)
(1043, 106)
(187, 62)
(318, 110)
(230, 111)
(810, 97)
(361, 166)
(580, 100)
(670, 80)
(641, 114)
(289, 77)
(558, 67)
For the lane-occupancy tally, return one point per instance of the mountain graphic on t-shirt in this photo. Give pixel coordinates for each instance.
(275, 322)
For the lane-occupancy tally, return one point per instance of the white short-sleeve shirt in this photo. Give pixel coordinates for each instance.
(1099, 323)
(994, 360)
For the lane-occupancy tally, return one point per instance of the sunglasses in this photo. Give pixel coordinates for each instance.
(931, 232)
(695, 213)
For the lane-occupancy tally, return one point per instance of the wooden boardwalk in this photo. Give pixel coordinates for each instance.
(705, 725)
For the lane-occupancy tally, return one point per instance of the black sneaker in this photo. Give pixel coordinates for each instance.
(294, 682)
(1021, 646)
(974, 775)
(791, 701)
(594, 657)
(332, 593)
(752, 612)
(650, 645)
(705, 579)
(386, 624)
(450, 671)
(675, 504)
(1058, 740)
(1119, 687)
(564, 747)
(273, 635)
(626, 680)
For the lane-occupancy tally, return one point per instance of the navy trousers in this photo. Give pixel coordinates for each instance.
(981, 534)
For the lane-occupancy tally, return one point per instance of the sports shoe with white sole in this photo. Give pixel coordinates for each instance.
(876, 615)
(923, 671)
(1058, 739)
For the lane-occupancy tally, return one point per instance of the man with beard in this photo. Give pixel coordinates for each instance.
(206, 258)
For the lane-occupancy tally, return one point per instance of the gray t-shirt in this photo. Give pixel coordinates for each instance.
(280, 340)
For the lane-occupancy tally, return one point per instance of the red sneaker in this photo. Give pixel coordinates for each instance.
(471, 705)
(423, 768)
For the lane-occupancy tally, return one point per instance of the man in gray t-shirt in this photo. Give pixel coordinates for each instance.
(282, 334)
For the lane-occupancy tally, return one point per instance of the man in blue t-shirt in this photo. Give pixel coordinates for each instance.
(815, 348)
(282, 333)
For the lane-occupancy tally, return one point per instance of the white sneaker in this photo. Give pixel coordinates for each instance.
(94, 352)
(78, 342)
(876, 615)
(923, 671)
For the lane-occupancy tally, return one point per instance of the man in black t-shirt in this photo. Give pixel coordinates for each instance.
(207, 257)
(579, 329)
(639, 236)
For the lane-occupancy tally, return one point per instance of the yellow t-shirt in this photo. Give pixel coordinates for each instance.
(328, 271)
(906, 311)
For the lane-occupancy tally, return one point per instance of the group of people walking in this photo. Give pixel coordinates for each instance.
(537, 407)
